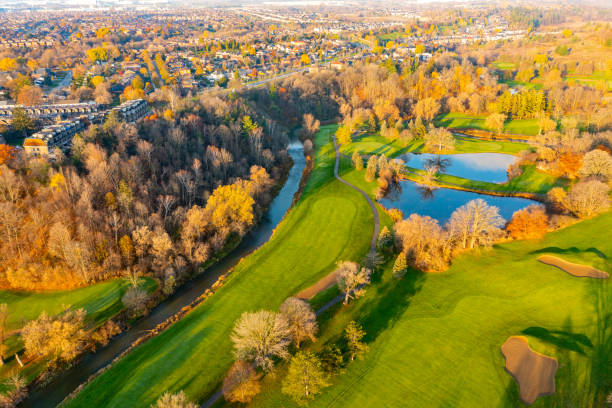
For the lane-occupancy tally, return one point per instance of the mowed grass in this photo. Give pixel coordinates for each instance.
(101, 301)
(376, 144)
(435, 338)
(330, 222)
(453, 120)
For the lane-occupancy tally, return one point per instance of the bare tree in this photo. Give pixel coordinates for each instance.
(311, 125)
(301, 319)
(588, 198)
(596, 163)
(439, 140)
(260, 337)
(351, 279)
(475, 223)
(178, 400)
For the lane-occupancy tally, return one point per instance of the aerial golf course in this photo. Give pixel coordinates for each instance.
(434, 339)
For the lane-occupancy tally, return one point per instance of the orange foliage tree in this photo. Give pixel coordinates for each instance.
(6, 153)
(528, 223)
(569, 164)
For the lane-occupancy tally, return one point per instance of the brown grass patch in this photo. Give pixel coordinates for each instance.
(534, 372)
(574, 269)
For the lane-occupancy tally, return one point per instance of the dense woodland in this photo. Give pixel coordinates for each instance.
(163, 196)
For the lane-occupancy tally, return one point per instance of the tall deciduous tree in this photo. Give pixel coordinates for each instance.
(305, 377)
(475, 223)
(352, 279)
(241, 383)
(260, 337)
(353, 335)
(301, 319)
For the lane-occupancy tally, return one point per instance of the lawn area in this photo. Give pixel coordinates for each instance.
(463, 121)
(330, 222)
(504, 66)
(435, 338)
(376, 144)
(101, 301)
(527, 85)
(595, 79)
(531, 181)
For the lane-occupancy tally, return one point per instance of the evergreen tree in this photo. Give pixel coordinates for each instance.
(400, 266)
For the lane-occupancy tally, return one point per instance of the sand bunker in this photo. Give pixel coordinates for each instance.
(534, 372)
(573, 269)
(325, 283)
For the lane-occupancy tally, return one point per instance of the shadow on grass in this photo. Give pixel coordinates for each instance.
(394, 297)
(571, 250)
(562, 339)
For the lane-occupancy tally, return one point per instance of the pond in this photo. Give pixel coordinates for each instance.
(489, 167)
(440, 203)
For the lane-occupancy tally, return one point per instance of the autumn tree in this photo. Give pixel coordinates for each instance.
(528, 223)
(343, 134)
(7, 153)
(495, 121)
(475, 223)
(21, 121)
(30, 96)
(241, 383)
(586, 198)
(178, 400)
(352, 279)
(439, 140)
(371, 169)
(305, 377)
(427, 108)
(230, 206)
(311, 125)
(301, 319)
(260, 337)
(8, 64)
(400, 266)
(353, 334)
(597, 163)
(61, 337)
(357, 161)
(423, 242)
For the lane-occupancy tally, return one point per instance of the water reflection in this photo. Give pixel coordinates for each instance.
(490, 167)
(439, 203)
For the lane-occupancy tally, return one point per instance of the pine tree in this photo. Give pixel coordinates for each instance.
(385, 239)
(400, 266)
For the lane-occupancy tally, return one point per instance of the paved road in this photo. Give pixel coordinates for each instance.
(363, 193)
(66, 81)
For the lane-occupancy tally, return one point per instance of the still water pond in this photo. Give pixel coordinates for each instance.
(475, 166)
(440, 203)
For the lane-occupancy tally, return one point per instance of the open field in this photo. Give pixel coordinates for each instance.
(101, 301)
(376, 144)
(464, 121)
(331, 222)
(435, 338)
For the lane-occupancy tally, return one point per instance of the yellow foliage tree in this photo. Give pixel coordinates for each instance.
(231, 207)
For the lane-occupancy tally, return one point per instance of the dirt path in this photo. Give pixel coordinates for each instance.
(574, 269)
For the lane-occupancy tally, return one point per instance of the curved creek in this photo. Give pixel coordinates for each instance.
(67, 381)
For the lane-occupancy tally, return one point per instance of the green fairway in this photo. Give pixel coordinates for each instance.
(452, 120)
(435, 338)
(376, 144)
(530, 181)
(504, 66)
(101, 301)
(331, 222)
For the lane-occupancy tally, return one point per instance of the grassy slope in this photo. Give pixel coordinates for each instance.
(101, 301)
(464, 121)
(331, 222)
(435, 339)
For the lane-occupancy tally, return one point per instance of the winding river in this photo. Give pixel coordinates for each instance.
(68, 381)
